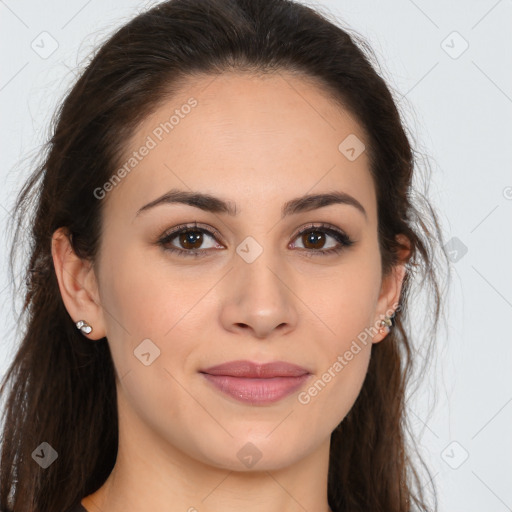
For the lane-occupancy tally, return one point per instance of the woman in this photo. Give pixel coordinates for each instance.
(223, 249)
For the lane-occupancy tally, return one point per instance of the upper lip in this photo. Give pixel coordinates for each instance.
(249, 369)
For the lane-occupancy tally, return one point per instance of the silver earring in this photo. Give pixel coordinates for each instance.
(386, 322)
(84, 327)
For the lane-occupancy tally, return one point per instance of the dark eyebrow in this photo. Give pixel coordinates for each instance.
(213, 204)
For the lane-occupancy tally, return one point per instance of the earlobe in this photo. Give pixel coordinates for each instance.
(78, 286)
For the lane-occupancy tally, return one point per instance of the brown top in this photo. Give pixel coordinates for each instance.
(78, 507)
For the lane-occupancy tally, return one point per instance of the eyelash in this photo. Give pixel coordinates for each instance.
(342, 238)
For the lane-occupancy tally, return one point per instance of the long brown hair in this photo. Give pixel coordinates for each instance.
(62, 386)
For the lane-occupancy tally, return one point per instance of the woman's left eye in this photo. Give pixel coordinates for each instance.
(313, 238)
(313, 235)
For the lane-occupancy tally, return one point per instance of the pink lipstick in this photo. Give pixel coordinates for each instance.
(256, 383)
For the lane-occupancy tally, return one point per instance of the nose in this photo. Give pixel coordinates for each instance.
(258, 298)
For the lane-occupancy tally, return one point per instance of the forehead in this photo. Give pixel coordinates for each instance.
(244, 137)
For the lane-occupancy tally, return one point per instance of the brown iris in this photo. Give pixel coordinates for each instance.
(312, 237)
(189, 238)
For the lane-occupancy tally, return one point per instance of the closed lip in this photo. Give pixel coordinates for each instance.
(254, 370)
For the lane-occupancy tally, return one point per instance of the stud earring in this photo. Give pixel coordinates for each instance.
(388, 321)
(84, 327)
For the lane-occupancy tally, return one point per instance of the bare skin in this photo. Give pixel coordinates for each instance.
(257, 143)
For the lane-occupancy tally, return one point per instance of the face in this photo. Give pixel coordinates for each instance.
(263, 278)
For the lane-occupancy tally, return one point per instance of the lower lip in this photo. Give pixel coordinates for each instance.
(257, 391)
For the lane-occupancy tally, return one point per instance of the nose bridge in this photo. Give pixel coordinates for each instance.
(258, 268)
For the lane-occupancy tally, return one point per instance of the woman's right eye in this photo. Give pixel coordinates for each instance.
(191, 239)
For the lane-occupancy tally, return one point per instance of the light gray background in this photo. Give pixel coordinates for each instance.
(457, 103)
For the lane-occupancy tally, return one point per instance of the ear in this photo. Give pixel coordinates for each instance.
(391, 289)
(77, 284)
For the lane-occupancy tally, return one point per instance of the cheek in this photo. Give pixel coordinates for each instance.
(150, 336)
(345, 307)
(147, 298)
(149, 302)
(344, 303)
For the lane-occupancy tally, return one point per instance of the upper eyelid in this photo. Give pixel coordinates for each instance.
(191, 227)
